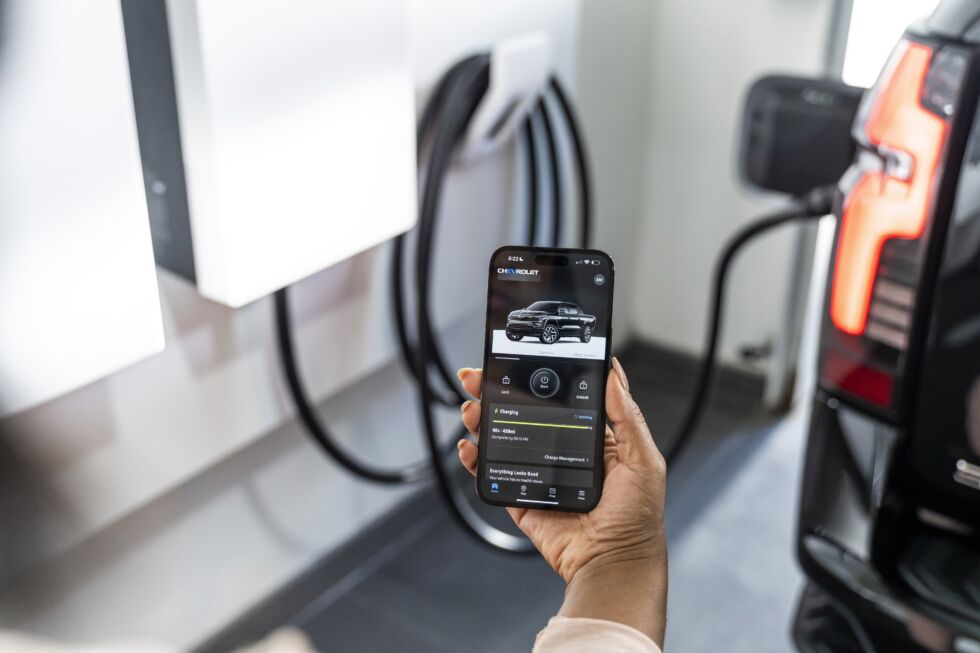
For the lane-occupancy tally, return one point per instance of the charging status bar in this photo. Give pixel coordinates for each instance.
(539, 435)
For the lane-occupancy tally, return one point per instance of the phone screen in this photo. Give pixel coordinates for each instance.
(544, 378)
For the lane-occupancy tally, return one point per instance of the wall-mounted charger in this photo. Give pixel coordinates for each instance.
(277, 138)
(520, 68)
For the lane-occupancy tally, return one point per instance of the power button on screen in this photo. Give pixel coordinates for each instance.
(544, 383)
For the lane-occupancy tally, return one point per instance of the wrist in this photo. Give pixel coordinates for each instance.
(628, 586)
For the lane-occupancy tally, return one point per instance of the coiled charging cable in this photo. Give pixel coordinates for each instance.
(444, 122)
(460, 107)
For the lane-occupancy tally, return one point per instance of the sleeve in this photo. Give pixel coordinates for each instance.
(576, 635)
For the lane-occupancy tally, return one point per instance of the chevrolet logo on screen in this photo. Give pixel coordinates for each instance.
(518, 274)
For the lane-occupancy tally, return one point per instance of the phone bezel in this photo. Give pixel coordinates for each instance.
(599, 471)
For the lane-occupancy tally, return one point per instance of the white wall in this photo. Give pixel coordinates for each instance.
(167, 498)
(614, 60)
(704, 55)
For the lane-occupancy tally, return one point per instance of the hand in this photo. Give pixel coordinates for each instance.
(622, 538)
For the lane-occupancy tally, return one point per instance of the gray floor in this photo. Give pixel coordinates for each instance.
(730, 520)
(441, 592)
(730, 517)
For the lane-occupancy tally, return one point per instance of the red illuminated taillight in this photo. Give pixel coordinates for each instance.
(902, 131)
(887, 203)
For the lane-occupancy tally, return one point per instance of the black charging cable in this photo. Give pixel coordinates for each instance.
(451, 129)
(452, 395)
(812, 206)
(311, 421)
(551, 149)
(531, 165)
(573, 125)
(461, 102)
(432, 115)
(443, 122)
(815, 205)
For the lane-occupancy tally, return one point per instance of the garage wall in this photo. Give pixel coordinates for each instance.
(165, 499)
(704, 54)
(614, 62)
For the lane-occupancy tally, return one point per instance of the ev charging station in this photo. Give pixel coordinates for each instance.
(262, 165)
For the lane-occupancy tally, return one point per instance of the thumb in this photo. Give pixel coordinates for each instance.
(633, 440)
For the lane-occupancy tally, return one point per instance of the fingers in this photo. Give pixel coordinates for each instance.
(471, 416)
(467, 455)
(633, 440)
(609, 454)
(472, 380)
(517, 514)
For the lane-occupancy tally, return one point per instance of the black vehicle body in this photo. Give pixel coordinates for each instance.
(550, 321)
(889, 522)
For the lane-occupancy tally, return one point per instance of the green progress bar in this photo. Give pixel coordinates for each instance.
(556, 426)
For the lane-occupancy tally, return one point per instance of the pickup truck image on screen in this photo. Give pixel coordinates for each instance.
(550, 321)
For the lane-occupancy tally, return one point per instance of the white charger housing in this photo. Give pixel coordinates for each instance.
(277, 138)
(520, 67)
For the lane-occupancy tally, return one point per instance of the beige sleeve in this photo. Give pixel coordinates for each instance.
(567, 635)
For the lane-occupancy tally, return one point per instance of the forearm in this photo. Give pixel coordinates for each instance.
(628, 588)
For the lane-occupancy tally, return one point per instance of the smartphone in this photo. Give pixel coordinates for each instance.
(545, 362)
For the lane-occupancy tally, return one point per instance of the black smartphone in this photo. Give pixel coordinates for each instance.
(545, 362)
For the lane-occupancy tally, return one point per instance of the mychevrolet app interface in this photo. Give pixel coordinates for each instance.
(544, 379)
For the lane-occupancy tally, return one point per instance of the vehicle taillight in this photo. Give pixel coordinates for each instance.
(892, 202)
(901, 130)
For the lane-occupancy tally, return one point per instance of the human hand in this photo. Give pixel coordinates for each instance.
(617, 550)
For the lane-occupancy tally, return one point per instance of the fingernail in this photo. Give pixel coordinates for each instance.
(460, 372)
(459, 445)
(466, 405)
(621, 373)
